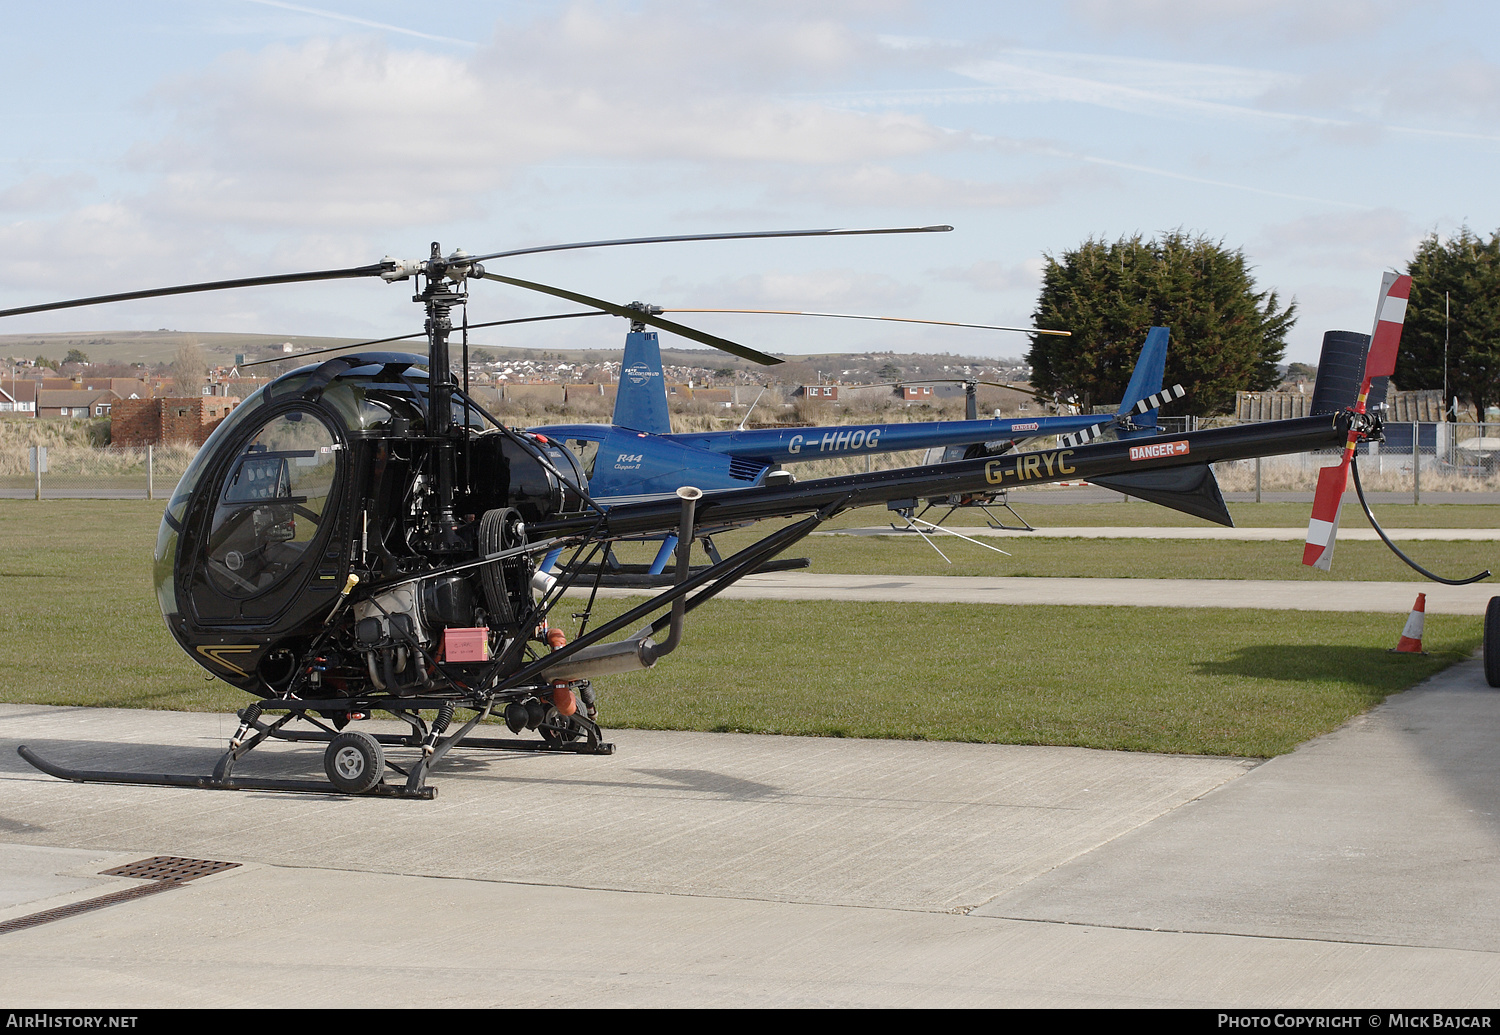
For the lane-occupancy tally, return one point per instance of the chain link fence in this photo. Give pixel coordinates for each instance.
(72, 471)
(1455, 461)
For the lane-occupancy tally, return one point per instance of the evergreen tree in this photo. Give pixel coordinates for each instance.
(1464, 273)
(1226, 336)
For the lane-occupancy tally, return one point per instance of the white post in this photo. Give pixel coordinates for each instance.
(150, 471)
(1416, 463)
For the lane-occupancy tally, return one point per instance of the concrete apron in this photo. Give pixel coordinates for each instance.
(728, 870)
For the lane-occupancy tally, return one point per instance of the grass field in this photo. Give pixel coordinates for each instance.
(79, 625)
(1246, 515)
(908, 554)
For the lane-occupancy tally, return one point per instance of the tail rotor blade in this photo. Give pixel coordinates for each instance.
(1322, 530)
(1380, 361)
(1390, 315)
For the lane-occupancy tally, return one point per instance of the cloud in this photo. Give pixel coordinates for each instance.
(1373, 240)
(826, 290)
(994, 277)
(887, 187)
(354, 133)
(42, 191)
(108, 243)
(1279, 23)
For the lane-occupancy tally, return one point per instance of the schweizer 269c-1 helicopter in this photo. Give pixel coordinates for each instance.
(360, 535)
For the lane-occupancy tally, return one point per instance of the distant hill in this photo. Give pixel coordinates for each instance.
(153, 347)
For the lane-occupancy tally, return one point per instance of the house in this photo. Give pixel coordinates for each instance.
(124, 387)
(74, 402)
(18, 397)
(828, 393)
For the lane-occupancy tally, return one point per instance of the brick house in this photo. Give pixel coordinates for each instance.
(827, 392)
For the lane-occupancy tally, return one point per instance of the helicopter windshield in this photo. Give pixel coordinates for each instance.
(272, 503)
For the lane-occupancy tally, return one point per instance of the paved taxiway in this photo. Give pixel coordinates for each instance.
(728, 870)
(1212, 532)
(1392, 597)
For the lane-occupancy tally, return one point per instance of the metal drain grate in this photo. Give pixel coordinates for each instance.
(164, 871)
(20, 923)
(169, 868)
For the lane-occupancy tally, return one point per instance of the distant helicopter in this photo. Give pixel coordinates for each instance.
(360, 535)
(637, 456)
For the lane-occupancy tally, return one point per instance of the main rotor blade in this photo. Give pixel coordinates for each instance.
(418, 334)
(891, 319)
(373, 270)
(722, 344)
(938, 229)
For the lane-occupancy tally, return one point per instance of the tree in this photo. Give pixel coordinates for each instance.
(1464, 273)
(75, 356)
(1226, 336)
(189, 372)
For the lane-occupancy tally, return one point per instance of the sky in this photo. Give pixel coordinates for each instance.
(166, 142)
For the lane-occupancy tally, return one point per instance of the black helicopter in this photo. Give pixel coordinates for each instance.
(360, 535)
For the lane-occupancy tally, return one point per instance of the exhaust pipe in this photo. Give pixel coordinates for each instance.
(640, 651)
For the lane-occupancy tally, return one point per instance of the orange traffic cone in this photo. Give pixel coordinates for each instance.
(1411, 636)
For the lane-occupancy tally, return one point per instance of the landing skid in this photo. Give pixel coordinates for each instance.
(355, 761)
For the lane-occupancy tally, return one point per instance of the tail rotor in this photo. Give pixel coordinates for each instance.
(1380, 361)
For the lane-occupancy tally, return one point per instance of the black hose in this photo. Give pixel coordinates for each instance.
(1359, 490)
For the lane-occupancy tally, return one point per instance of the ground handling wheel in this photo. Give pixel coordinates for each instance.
(354, 762)
(558, 728)
(1492, 642)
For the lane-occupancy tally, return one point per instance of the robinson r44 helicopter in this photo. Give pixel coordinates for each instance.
(359, 535)
(637, 456)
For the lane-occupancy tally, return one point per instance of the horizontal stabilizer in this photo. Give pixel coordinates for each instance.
(1192, 490)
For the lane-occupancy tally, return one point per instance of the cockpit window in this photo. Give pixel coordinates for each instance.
(587, 451)
(272, 503)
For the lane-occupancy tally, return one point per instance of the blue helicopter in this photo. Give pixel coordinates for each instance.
(637, 457)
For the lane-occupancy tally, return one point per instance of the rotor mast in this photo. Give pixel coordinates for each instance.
(444, 289)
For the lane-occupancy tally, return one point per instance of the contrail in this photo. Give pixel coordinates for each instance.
(319, 12)
(1119, 98)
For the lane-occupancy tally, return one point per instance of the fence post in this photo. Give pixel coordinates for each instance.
(1416, 463)
(1257, 479)
(39, 454)
(150, 472)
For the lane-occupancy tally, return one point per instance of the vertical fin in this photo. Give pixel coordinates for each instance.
(641, 400)
(1146, 379)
